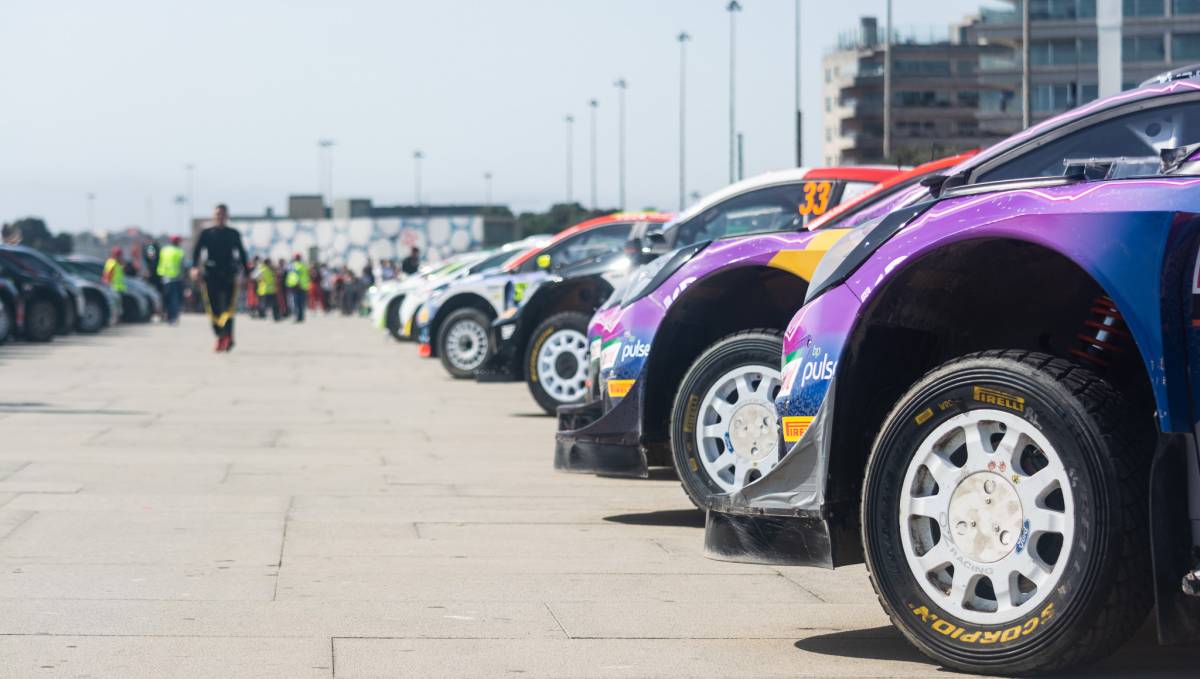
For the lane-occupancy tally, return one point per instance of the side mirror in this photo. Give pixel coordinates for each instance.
(543, 261)
(656, 238)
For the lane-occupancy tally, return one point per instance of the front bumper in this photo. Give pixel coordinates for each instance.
(505, 364)
(591, 441)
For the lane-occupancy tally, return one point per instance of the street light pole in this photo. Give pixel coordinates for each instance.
(191, 194)
(733, 7)
(91, 212)
(621, 86)
(683, 39)
(325, 167)
(417, 156)
(592, 105)
(799, 113)
(570, 121)
(1026, 113)
(487, 184)
(887, 85)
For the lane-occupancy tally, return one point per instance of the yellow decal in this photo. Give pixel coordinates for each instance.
(804, 262)
(794, 427)
(999, 398)
(408, 327)
(619, 388)
(977, 636)
(924, 415)
(816, 198)
(423, 315)
(543, 261)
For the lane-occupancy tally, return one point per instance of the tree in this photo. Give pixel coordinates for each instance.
(559, 217)
(32, 232)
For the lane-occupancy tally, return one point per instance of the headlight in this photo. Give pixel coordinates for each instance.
(647, 278)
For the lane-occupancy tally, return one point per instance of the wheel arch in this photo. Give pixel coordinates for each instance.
(968, 296)
(726, 301)
(584, 294)
(463, 300)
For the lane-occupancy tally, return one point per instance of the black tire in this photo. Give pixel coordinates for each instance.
(1103, 590)
(70, 318)
(760, 347)
(7, 320)
(480, 326)
(41, 320)
(559, 327)
(94, 315)
(131, 311)
(393, 318)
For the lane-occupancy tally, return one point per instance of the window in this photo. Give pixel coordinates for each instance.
(594, 242)
(1185, 46)
(1141, 133)
(998, 101)
(969, 99)
(775, 208)
(1048, 98)
(1060, 10)
(1185, 6)
(1142, 8)
(926, 67)
(1062, 52)
(1135, 48)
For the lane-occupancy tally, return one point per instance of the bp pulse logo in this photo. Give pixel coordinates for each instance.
(818, 370)
(637, 349)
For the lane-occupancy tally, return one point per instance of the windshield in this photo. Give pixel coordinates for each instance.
(493, 261)
(781, 207)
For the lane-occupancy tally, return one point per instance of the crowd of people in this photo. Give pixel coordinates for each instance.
(223, 281)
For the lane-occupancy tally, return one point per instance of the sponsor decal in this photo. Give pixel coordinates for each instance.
(423, 315)
(789, 376)
(1024, 538)
(818, 370)
(998, 398)
(980, 637)
(619, 388)
(794, 427)
(816, 198)
(519, 291)
(691, 414)
(669, 299)
(923, 416)
(594, 350)
(608, 355)
(638, 349)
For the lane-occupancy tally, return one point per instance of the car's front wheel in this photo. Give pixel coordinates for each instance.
(723, 424)
(92, 319)
(41, 320)
(556, 361)
(465, 342)
(1004, 514)
(392, 316)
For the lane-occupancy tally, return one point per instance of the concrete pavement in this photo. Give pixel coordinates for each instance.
(321, 503)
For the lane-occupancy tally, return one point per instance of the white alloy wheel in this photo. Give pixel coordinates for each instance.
(467, 344)
(562, 365)
(736, 433)
(981, 493)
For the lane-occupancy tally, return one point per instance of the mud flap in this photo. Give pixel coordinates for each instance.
(1171, 541)
(591, 441)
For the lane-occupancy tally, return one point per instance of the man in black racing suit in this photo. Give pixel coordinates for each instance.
(224, 259)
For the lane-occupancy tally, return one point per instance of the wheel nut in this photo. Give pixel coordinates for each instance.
(1005, 537)
(989, 487)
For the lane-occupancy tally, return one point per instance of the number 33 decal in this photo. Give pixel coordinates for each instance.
(816, 198)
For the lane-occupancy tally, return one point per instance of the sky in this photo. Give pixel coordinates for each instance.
(115, 98)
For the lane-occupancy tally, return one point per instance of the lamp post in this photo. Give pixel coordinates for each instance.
(592, 105)
(570, 122)
(733, 7)
(799, 113)
(91, 212)
(683, 39)
(418, 156)
(325, 167)
(190, 169)
(887, 85)
(1026, 112)
(621, 86)
(487, 189)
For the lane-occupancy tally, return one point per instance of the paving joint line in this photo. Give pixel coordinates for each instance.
(556, 620)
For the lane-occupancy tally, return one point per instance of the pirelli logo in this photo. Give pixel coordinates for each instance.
(999, 398)
(619, 388)
(794, 427)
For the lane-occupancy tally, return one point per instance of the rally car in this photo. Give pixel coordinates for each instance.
(991, 397)
(541, 335)
(455, 324)
(685, 356)
(49, 303)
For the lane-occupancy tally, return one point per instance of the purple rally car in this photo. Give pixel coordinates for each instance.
(701, 327)
(992, 397)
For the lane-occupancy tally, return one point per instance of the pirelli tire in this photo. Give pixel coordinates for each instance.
(395, 324)
(464, 342)
(556, 360)
(1083, 527)
(714, 452)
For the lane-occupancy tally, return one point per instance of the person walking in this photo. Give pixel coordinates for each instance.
(150, 255)
(412, 262)
(169, 269)
(225, 259)
(267, 288)
(297, 280)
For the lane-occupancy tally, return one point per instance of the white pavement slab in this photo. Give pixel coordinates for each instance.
(323, 503)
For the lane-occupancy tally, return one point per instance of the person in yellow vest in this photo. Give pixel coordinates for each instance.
(170, 270)
(114, 271)
(266, 288)
(297, 280)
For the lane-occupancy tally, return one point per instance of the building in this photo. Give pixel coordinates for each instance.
(966, 92)
(356, 231)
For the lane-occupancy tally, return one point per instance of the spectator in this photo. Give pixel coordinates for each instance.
(412, 262)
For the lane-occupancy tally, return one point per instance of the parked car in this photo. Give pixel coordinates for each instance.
(46, 304)
(101, 304)
(700, 326)
(139, 302)
(991, 398)
(455, 324)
